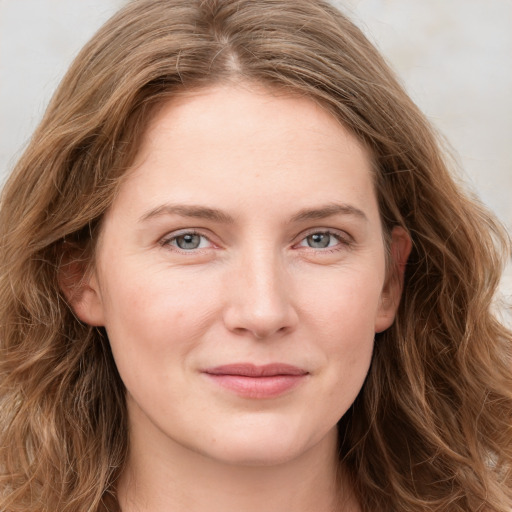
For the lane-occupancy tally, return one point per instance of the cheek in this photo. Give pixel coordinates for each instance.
(152, 318)
(342, 320)
(346, 300)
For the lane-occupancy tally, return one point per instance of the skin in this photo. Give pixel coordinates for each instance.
(261, 194)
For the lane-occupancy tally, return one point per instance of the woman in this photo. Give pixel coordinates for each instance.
(237, 275)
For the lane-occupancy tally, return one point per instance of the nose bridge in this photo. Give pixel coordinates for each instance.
(260, 299)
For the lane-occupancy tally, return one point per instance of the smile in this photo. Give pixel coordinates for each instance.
(258, 382)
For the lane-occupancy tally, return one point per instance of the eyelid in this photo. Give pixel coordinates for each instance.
(339, 233)
(344, 238)
(166, 240)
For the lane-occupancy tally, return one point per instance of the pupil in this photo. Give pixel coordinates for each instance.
(319, 240)
(189, 241)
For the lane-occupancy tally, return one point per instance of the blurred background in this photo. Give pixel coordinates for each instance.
(454, 57)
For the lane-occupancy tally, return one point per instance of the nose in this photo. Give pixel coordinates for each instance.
(260, 298)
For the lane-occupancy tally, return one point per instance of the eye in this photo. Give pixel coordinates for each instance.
(323, 240)
(188, 241)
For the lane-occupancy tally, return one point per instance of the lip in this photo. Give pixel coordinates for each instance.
(253, 381)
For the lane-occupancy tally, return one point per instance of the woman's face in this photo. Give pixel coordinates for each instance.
(241, 276)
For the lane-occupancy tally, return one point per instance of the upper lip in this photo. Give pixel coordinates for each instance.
(252, 370)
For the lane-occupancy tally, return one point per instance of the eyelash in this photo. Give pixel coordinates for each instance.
(344, 241)
(167, 242)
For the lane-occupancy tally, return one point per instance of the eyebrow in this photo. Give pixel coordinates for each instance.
(203, 212)
(329, 210)
(194, 211)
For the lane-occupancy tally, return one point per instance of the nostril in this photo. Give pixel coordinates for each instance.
(259, 331)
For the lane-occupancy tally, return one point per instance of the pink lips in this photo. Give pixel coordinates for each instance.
(251, 381)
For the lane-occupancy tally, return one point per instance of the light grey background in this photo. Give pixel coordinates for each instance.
(454, 56)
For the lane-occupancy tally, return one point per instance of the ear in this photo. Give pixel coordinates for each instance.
(81, 289)
(400, 249)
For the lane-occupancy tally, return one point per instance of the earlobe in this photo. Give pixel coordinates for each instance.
(400, 249)
(82, 292)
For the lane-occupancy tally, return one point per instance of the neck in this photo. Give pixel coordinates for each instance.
(162, 475)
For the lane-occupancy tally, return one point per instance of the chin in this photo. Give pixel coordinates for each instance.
(256, 454)
(265, 444)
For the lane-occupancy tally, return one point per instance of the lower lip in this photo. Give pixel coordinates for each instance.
(258, 387)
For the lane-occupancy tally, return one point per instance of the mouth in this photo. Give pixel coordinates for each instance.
(258, 382)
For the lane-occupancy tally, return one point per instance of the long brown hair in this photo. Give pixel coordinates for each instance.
(431, 430)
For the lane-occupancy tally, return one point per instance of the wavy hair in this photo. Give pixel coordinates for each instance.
(431, 429)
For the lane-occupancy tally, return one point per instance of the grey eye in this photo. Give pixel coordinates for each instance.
(319, 240)
(188, 241)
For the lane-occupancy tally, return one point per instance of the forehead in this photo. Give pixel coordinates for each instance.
(244, 140)
(250, 110)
